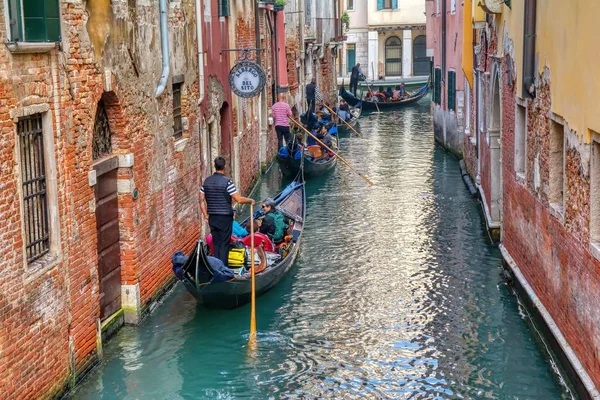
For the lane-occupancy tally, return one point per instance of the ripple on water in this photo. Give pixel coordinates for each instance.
(396, 294)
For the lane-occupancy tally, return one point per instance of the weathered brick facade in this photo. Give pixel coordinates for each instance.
(548, 244)
(111, 52)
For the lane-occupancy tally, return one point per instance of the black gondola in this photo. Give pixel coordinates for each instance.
(388, 105)
(197, 274)
(355, 112)
(290, 166)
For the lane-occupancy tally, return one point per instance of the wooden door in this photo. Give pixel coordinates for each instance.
(107, 226)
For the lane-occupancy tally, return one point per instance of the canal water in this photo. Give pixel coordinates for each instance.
(397, 293)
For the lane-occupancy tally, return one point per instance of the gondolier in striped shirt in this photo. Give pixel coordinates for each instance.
(216, 195)
(281, 113)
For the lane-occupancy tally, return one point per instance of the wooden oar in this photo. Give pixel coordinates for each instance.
(334, 153)
(252, 339)
(343, 120)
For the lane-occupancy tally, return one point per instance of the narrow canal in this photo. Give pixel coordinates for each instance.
(397, 293)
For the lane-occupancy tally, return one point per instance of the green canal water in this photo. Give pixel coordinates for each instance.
(396, 294)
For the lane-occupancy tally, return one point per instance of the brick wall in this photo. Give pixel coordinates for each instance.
(553, 255)
(48, 313)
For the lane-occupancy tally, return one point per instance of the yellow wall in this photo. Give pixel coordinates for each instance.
(567, 42)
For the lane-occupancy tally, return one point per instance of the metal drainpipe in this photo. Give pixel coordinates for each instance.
(276, 48)
(529, 49)
(200, 39)
(164, 44)
(256, 31)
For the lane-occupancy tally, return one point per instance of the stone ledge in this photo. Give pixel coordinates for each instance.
(180, 144)
(557, 211)
(29, 47)
(595, 250)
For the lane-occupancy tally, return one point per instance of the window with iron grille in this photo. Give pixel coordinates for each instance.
(33, 178)
(451, 90)
(34, 20)
(223, 8)
(350, 5)
(177, 125)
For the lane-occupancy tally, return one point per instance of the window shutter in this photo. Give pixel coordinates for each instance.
(42, 20)
(380, 4)
(437, 86)
(223, 8)
(451, 90)
(351, 57)
(394, 4)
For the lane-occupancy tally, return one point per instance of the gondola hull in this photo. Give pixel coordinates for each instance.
(393, 105)
(290, 167)
(197, 278)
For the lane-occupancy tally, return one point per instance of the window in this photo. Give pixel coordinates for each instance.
(437, 7)
(437, 86)
(393, 56)
(350, 5)
(557, 165)
(520, 138)
(480, 115)
(387, 4)
(451, 90)
(350, 56)
(453, 6)
(34, 20)
(223, 8)
(595, 191)
(177, 125)
(467, 107)
(33, 181)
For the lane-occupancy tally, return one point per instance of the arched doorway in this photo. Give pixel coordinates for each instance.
(494, 130)
(393, 56)
(107, 214)
(420, 60)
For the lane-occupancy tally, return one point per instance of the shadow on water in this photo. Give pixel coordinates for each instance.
(396, 294)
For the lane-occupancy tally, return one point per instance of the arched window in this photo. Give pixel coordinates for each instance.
(393, 56)
(101, 143)
(420, 59)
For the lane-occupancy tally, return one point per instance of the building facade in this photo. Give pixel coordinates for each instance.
(450, 93)
(387, 38)
(531, 145)
(111, 113)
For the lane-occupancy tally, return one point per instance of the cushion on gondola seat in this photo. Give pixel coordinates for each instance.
(260, 239)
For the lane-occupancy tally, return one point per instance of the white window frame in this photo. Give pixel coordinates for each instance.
(520, 163)
(452, 6)
(594, 226)
(557, 206)
(467, 108)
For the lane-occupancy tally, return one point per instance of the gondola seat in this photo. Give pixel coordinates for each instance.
(260, 239)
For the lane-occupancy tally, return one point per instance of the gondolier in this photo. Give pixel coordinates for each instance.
(354, 77)
(312, 96)
(281, 112)
(216, 195)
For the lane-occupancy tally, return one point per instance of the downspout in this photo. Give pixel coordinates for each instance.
(528, 89)
(256, 31)
(164, 44)
(276, 50)
(199, 27)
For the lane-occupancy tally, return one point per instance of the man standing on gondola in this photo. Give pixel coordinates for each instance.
(216, 195)
(312, 96)
(354, 77)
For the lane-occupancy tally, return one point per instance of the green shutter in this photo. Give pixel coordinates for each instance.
(451, 90)
(350, 58)
(42, 20)
(380, 4)
(394, 4)
(437, 86)
(14, 13)
(223, 8)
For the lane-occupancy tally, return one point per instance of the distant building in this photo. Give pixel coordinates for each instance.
(387, 38)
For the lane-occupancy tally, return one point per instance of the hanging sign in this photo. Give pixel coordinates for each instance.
(247, 79)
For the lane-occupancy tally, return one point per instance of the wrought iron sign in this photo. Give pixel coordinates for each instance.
(247, 79)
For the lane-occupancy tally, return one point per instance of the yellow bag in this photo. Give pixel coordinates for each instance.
(236, 257)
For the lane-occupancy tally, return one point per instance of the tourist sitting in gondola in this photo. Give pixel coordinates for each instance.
(381, 94)
(389, 93)
(237, 230)
(273, 224)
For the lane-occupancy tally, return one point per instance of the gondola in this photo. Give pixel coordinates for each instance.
(390, 105)
(356, 111)
(290, 166)
(198, 275)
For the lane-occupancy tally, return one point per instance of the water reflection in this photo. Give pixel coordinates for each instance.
(396, 294)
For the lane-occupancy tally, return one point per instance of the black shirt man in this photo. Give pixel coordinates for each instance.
(216, 195)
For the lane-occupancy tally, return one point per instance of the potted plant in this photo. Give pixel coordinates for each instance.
(345, 20)
(279, 4)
